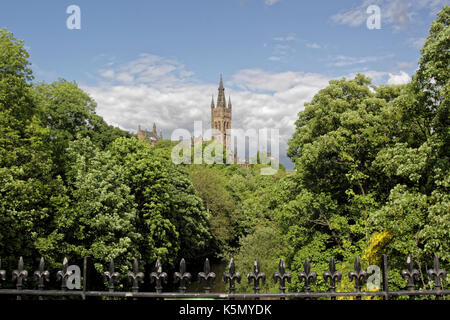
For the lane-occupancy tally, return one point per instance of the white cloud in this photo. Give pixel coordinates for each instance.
(260, 80)
(148, 69)
(344, 61)
(260, 99)
(433, 5)
(354, 17)
(405, 64)
(378, 77)
(400, 78)
(272, 100)
(271, 2)
(289, 37)
(109, 73)
(281, 47)
(417, 42)
(313, 45)
(398, 13)
(154, 89)
(383, 77)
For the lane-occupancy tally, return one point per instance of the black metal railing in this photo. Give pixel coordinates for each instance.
(70, 282)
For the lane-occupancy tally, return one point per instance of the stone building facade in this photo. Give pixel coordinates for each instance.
(150, 136)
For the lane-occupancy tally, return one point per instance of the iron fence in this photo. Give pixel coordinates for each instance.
(70, 282)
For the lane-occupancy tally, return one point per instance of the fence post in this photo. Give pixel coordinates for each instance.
(256, 276)
(85, 276)
(333, 275)
(359, 275)
(282, 275)
(436, 273)
(111, 276)
(135, 277)
(307, 276)
(232, 276)
(412, 275)
(2, 273)
(41, 276)
(207, 276)
(158, 276)
(385, 278)
(63, 275)
(20, 275)
(183, 277)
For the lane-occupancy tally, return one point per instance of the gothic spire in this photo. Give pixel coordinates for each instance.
(212, 102)
(221, 103)
(229, 102)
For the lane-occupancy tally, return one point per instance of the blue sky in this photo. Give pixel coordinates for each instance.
(159, 61)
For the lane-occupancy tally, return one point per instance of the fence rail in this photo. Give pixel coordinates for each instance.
(70, 279)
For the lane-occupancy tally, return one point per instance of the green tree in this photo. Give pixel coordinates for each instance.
(28, 193)
(209, 185)
(68, 111)
(99, 217)
(372, 169)
(264, 244)
(338, 137)
(416, 217)
(431, 82)
(170, 217)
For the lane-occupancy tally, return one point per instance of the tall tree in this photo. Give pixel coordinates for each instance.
(27, 190)
(98, 218)
(416, 218)
(170, 217)
(68, 111)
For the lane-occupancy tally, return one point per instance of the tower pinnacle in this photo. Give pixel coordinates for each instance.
(221, 103)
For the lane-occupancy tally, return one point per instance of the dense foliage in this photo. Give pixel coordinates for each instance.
(71, 185)
(373, 170)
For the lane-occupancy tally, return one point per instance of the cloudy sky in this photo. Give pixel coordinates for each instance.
(160, 61)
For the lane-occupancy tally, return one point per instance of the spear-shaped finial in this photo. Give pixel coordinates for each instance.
(207, 276)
